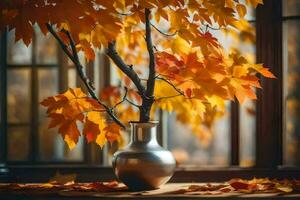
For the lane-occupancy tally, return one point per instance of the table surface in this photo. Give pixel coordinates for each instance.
(168, 191)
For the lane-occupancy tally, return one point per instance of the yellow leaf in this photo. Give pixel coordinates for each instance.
(101, 139)
(180, 46)
(241, 9)
(239, 71)
(120, 4)
(70, 142)
(62, 178)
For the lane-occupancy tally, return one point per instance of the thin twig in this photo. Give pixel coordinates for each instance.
(177, 95)
(171, 84)
(168, 97)
(212, 28)
(163, 33)
(134, 104)
(74, 57)
(123, 99)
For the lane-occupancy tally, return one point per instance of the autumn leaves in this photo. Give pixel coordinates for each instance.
(72, 108)
(165, 53)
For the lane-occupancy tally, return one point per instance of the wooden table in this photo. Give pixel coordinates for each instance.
(168, 191)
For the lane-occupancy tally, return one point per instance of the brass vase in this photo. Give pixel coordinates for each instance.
(143, 164)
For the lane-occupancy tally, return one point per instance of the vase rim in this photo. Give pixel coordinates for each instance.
(153, 122)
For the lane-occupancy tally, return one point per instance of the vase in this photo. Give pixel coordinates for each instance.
(143, 164)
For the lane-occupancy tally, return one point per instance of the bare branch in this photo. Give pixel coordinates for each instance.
(163, 33)
(79, 67)
(152, 73)
(61, 43)
(113, 54)
(171, 84)
(148, 99)
(74, 57)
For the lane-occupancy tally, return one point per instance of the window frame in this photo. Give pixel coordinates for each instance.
(268, 134)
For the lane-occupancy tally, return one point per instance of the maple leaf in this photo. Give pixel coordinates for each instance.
(72, 107)
(161, 13)
(254, 3)
(206, 41)
(112, 132)
(111, 94)
(239, 184)
(263, 71)
(241, 9)
(180, 46)
(91, 129)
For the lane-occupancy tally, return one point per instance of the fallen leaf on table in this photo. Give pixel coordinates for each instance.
(62, 178)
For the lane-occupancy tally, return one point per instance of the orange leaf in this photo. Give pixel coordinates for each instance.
(238, 184)
(266, 73)
(242, 10)
(90, 130)
(112, 132)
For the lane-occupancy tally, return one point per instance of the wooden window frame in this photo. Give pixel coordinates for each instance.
(268, 134)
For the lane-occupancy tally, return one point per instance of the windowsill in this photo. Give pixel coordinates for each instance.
(167, 191)
(42, 173)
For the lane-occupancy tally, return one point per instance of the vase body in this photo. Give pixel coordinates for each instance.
(143, 163)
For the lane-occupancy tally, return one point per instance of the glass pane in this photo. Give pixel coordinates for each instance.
(72, 77)
(250, 11)
(247, 133)
(48, 86)
(51, 144)
(18, 95)
(211, 148)
(18, 141)
(76, 154)
(46, 49)
(247, 115)
(53, 148)
(291, 7)
(291, 50)
(18, 53)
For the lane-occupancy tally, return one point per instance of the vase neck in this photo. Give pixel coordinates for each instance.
(144, 132)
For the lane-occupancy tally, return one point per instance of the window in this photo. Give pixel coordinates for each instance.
(291, 64)
(261, 136)
(29, 75)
